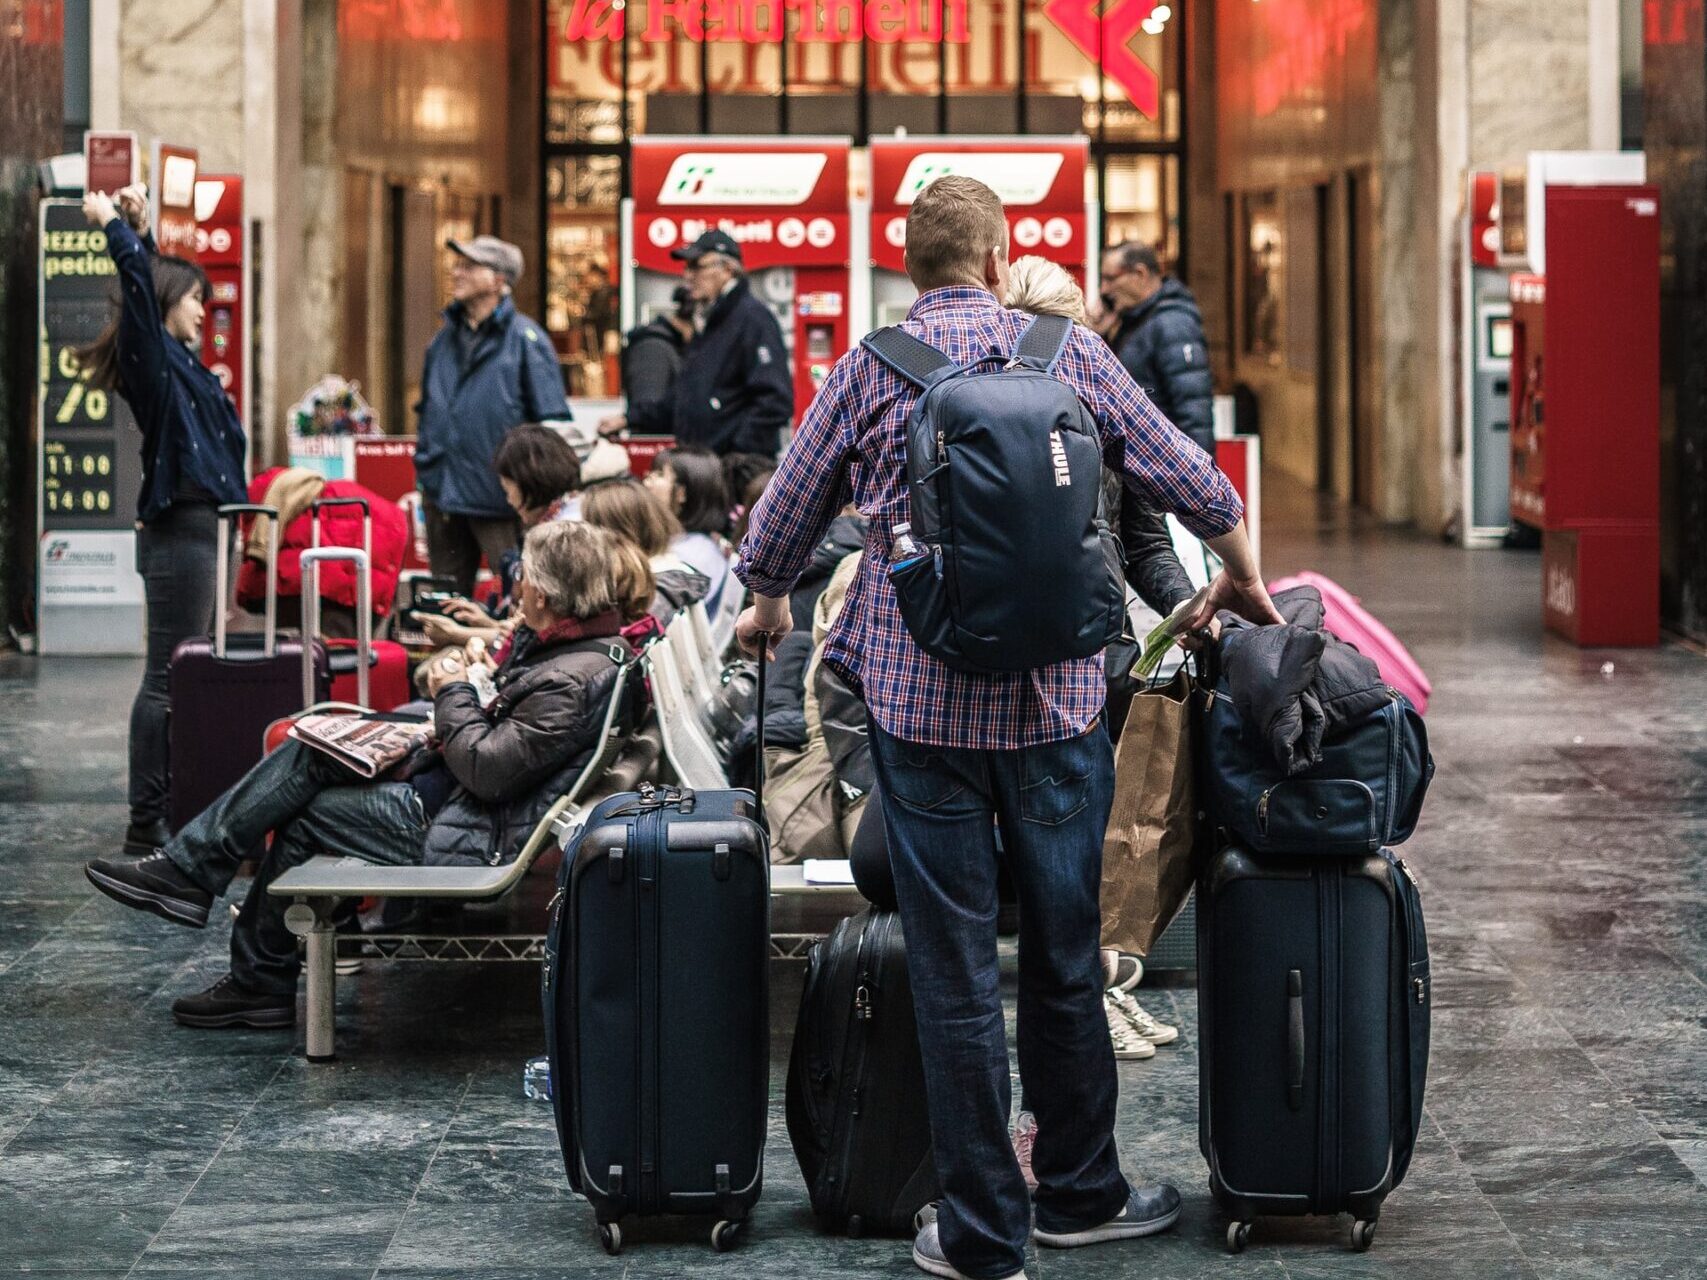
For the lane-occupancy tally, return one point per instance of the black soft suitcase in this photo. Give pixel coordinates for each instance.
(656, 998)
(856, 1082)
(1313, 1015)
(223, 693)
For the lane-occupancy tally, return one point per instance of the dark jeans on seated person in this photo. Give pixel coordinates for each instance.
(940, 806)
(313, 805)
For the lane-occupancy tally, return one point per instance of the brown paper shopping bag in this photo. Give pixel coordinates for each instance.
(1147, 854)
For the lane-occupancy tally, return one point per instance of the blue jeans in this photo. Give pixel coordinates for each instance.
(940, 807)
(311, 804)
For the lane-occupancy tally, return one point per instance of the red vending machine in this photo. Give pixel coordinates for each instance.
(1041, 182)
(783, 200)
(1585, 387)
(219, 252)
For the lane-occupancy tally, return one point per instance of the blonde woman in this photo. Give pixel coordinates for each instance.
(1041, 287)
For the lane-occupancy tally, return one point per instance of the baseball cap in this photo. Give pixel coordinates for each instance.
(713, 241)
(489, 251)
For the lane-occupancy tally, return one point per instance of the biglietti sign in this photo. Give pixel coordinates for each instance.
(1101, 32)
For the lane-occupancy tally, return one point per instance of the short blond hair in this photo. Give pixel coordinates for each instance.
(569, 563)
(952, 228)
(1044, 288)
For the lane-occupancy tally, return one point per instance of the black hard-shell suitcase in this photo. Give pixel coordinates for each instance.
(656, 994)
(856, 1082)
(223, 694)
(1313, 1014)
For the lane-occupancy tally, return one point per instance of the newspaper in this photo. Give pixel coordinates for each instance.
(370, 747)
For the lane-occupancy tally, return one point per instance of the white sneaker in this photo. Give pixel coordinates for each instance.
(1129, 1046)
(1141, 1022)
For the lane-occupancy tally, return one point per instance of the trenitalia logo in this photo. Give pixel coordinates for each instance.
(726, 178)
(1017, 177)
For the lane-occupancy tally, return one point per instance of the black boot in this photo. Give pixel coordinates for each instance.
(228, 1003)
(143, 838)
(152, 884)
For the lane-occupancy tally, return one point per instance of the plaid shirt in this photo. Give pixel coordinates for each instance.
(854, 435)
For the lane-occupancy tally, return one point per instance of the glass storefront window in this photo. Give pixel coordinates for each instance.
(1264, 277)
(583, 73)
(582, 257)
(665, 70)
(982, 70)
(1141, 202)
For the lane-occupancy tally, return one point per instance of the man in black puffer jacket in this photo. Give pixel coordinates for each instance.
(472, 796)
(1156, 330)
(734, 393)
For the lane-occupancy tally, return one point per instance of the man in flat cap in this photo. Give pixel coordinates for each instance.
(488, 369)
(734, 393)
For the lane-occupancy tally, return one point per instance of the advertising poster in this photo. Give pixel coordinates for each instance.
(174, 196)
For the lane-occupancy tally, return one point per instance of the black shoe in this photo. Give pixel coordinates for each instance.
(152, 884)
(227, 1003)
(143, 838)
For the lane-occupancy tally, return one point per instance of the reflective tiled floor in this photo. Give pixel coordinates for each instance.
(1563, 854)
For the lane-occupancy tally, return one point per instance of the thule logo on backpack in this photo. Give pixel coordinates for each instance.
(1058, 455)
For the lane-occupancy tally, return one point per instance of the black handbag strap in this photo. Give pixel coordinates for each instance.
(913, 358)
(1043, 341)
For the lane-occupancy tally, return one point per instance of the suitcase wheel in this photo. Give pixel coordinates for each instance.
(725, 1233)
(610, 1238)
(1362, 1234)
(1238, 1236)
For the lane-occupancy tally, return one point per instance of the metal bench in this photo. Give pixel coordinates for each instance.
(319, 884)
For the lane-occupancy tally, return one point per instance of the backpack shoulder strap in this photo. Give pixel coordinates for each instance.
(1043, 341)
(914, 359)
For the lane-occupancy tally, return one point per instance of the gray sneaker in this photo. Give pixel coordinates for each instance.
(1148, 1210)
(929, 1257)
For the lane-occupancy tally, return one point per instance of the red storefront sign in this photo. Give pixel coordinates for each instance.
(219, 252)
(1041, 183)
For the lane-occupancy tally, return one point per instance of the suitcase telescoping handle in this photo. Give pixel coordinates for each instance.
(311, 562)
(222, 581)
(320, 504)
(759, 745)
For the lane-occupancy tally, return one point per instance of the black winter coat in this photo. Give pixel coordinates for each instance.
(650, 364)
(1296, 684)
(1161, 343)
(512, 760)
(734, 393)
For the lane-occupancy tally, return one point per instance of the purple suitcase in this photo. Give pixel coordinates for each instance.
(223, 694)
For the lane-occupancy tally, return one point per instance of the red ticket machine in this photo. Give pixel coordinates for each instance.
(219, 252)
(1041, 182)
(1585, 390)
(784, 201)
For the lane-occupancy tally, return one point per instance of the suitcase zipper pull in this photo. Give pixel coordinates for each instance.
(1262, 810)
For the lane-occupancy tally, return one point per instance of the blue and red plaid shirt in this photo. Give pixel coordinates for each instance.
(853, 436)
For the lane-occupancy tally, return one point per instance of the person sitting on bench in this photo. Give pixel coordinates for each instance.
(473, 795)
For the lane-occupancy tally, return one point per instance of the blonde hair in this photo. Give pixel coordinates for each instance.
(952, 228)
(631, 579)
(1044, 288)
(627, 508)
(569, 563)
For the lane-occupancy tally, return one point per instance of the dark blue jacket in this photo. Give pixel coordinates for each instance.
(734, 393)
(512, 377)
(1160, 341)
(190, 434)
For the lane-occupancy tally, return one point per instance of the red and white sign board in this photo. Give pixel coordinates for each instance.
(219, 252)
(1041, 182)
(783, 200)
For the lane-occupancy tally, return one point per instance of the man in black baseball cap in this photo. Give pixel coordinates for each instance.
(735, 393)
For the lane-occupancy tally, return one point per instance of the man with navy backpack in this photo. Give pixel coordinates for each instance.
(976, 643)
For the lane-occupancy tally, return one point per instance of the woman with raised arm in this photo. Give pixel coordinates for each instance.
(193, 459)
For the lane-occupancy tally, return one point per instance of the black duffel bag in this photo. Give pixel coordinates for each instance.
(1364, 792)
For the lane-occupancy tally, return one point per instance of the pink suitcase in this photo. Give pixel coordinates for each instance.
(1351, 622)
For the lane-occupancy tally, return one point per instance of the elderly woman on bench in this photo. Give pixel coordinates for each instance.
(472, 795)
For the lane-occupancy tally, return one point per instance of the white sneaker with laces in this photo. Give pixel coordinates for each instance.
(1129, 1046)
(1141, 1022)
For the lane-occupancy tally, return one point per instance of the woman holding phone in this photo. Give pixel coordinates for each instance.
(193, 459)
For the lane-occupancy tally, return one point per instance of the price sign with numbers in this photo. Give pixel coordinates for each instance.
(90, 470)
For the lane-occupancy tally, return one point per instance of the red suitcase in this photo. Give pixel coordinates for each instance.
(388, 661)
(223, 694)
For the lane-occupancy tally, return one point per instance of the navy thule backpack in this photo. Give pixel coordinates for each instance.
(1019, 570)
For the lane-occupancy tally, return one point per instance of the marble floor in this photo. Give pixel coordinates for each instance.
(1563, 855)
